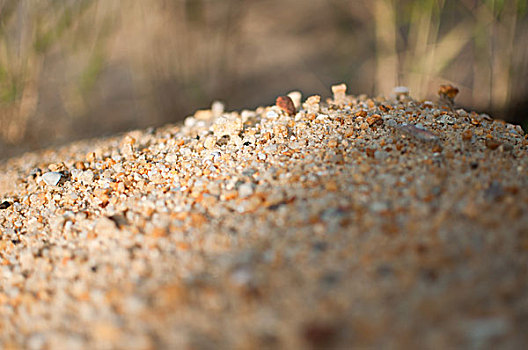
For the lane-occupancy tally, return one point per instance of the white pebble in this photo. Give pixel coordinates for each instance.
(189, 122)
(296, 97)
(217, 108)
(51, 178)
(401, 90)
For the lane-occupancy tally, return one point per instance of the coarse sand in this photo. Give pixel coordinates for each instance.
(351, 222)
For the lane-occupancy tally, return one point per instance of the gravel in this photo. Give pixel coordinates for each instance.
(352, 222)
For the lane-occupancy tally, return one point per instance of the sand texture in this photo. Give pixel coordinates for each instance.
(347, 223)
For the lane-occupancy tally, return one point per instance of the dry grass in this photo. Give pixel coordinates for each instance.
(473, 44)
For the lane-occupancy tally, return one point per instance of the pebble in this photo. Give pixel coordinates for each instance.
(492, 144)
(5, 204)
(51, 178)
(217, 108)
(296, 97)
(339, 92)
(401, 90)
(311, 105)
(286, 104)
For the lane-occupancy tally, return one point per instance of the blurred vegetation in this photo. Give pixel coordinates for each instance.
(82, 68)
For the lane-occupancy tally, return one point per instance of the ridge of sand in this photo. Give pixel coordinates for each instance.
(350, 223)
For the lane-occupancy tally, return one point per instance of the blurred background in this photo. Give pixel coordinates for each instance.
(75, 69)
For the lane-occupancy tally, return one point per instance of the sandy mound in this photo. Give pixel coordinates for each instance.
(352, 222)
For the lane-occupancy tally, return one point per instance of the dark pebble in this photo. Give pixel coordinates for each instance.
(492, 144)
(277, 206)
(5, 205)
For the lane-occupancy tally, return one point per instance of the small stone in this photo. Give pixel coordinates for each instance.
(312, 104)
(492, 144)
(296, 97)
(285, 103)
(339, 92)
(5, 205)
(217, 108)
(189, 122)
(401, 90)
(51, 178)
